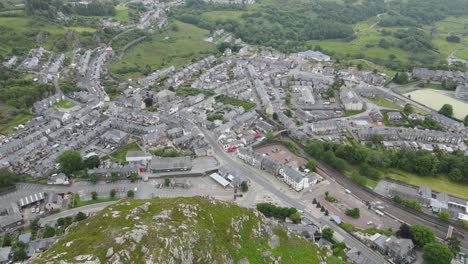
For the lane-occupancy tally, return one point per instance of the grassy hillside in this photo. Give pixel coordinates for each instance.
(180, 230)
(182, 44)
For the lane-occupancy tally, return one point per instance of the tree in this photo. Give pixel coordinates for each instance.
(452, 38)
(446, 110)
(167, 182)
(408, 109)
(311, 165)
(70, 162)
(392, 56)
(80, 216)
(114, 176)
(354, 213)
(244, 186)
(8, 178)
(422, 235)
(92, 162)
(401, 78)
(296, 217)
(465, 121)
(275, 116)
(112, 193)
(93, 178)
(94, 195)
(133, 177)
(269, 136)
(454, 245)
(444, 216)
(436, 253)
(455, 175)
(405, 232)
(48, 232)
(19, 253)
(130, 194)
(327, 233)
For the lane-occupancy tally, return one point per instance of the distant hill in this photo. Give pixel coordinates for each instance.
(179, 230)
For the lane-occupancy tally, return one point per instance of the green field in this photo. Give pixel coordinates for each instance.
(122, 14)
(64, 104)
(440, 183)
(175, 47)
(8, 120)
(120, 153)
(451, 25)
(385, 103)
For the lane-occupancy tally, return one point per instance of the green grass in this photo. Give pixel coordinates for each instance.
(120, 153)
(381, 101)
(122, 14)
(176, 48)
(65, 104)
(99, 200)
(353, 112)
(6, 126)
(235, 102)
(440, 183)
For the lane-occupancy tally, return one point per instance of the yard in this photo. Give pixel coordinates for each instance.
(120, 153)
(181, 45)
(235, 102)
(381, 101)
(65, 104)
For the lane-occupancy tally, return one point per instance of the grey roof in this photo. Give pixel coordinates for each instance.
(136, 154)
(10, 215)
(400, 246)
(25, 237)
(380, 241)
(355, 256)
(38, 246)
(293, 174)
(177, 163)
(425, 192)
(5, 254)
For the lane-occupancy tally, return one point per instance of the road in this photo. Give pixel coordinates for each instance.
(85, 209)
(265, 180)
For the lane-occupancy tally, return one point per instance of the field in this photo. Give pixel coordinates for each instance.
(122, 14)
(8, 120)
(440, 183)
(175, 47)
(385, 103)
(64, 104)
(456, 26)
(435, 100)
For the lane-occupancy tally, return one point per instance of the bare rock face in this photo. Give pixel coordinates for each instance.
(274, 241)
(110, 252)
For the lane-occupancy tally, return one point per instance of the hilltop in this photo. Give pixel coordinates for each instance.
(179, 230)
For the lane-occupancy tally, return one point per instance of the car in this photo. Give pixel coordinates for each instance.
(370, 223)
(347, 191)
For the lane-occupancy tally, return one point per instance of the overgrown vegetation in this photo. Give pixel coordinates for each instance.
(235, 102)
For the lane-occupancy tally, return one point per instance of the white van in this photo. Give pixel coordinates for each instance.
(347, 191)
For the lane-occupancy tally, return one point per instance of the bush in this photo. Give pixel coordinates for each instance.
(80, 216)
(444, 216)
(94, 195)
(130, 194)
(244, 186)
(270, 210)
(48, 232)
(354, 213)
(327, 233)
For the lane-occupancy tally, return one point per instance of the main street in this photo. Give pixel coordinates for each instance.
(265, 180)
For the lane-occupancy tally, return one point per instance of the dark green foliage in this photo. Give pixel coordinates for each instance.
(130, 194)
(19, 251)
(354, 213)
(49, 8)
(133, 177)
(465, 121)
(446, 110)
(405, 231)
(48, 232)
(444, 216)
(244, 186)
(8, 178)
(235, 102)
(112, 193)
(64, 222)
(311, 165)
(401, 78)
(94, 195)
(449, 85)
(407, 202)
(327, 233)
(80, 216)
(422, 235)
(408, 109)
(270, 210)
(70, 162)
(92, 162)
(454, 245)
(436, 253)
(93, 178)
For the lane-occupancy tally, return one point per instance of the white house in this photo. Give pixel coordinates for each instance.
(294, 178)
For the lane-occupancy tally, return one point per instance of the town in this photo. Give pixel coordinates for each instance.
(240, 126)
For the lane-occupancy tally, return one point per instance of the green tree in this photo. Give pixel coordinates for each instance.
(133, 176)
(114, 176)
(48, 232)
(275, 116)
(354, 213)
(446, 110)
(244, 186)
(93, 178)
(130, 194)
(19, 252)
(444, 216)
(436, 253)
(465, 121)
(455, 175)
(80, 216)
(8, 178)
(422, 235)
(112, 193)
(327, 233)
(401, 78)
(70, 162)
(454, 245)
(311, 165)
(408, 109)
(94, 195)
(296, 217)
(92, 162)
(269, 136)
(167, 181)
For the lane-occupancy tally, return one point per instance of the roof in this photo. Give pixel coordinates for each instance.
(137, 154)
(25, 237)
(10, 215)
(356, 256)
(215, 176)
(295, 175)
(400, 246)
(31, 199)
(159, 163)
(5, 254)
